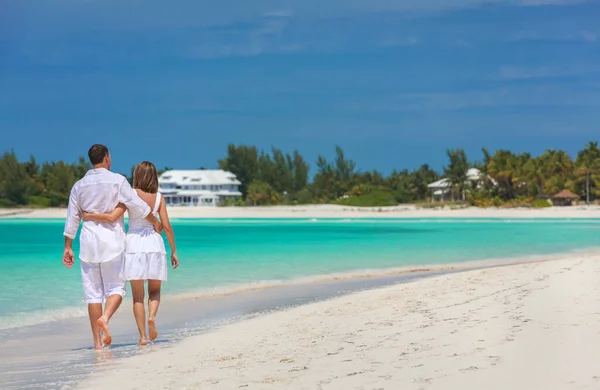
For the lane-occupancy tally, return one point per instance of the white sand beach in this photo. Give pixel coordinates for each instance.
(336, 211)
(519, 327)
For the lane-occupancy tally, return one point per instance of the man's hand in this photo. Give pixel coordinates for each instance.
(157, 227)
(68, 258)
(155, 223)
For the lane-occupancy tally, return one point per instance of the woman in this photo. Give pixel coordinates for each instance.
(145, 258)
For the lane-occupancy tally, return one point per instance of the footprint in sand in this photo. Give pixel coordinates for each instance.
(495, 360)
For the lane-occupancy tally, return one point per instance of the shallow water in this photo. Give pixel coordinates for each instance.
(234, 255)
(234, 269)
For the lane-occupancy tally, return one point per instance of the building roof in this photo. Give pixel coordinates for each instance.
(566, 194)
(203, 193)
(472, 174)
(444, 183)
(199, 176)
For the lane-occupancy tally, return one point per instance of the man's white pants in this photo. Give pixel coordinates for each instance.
(101, 280)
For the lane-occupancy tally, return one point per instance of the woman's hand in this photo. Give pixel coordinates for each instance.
(86, 216)
(174, 260)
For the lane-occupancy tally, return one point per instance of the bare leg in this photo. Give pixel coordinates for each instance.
(153, 303)
(112, 304)
(95, 312)
(139, 312)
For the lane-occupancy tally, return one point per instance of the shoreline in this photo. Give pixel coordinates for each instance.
(203, 314)
(201, 310)
(336, 211)
(263, 286)
(424, 271)
(470, 330)
(180, 319)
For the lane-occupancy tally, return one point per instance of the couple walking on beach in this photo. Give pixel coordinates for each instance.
(108, 256)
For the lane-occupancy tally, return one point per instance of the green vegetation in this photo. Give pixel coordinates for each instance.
(540, 203)
(508, 179)
(231, 202)
(28, 183)
(372, 199)
(279, 178)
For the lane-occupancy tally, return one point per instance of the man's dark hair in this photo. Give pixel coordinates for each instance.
(97, 153)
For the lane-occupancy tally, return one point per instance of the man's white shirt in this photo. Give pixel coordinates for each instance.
(100, 191)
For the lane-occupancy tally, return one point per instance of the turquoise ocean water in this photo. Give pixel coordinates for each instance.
(229, 255)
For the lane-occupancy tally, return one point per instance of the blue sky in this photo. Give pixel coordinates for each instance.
(394, 83)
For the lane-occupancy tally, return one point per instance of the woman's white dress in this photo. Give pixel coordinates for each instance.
(145, 255)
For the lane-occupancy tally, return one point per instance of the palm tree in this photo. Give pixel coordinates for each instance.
(417, 181)
(504, 168)
(485, 184)
(457, 170)
(533, 171)
(558, 171)
(588, 163)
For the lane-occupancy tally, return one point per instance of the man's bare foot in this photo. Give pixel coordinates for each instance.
(152, 329)
(106, 337)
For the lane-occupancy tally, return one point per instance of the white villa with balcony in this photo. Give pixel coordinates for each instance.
(441, 189)
(198, 187)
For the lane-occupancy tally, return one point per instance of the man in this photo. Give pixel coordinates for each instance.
(102, 245)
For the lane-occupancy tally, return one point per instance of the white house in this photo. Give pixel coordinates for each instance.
(441, 188)
(198, 187)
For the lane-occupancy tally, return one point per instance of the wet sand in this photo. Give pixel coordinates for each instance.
(60, 353)
(525, 326)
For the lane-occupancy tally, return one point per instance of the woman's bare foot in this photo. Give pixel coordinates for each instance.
(152, 329)
(142, 343)
(106, 337)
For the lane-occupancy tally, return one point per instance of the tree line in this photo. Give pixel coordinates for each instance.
(276, 177)
(506, 177)
(34, 184)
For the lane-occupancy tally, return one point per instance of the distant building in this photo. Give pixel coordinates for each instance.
(441, 189)
(198, 187)
(564, 198)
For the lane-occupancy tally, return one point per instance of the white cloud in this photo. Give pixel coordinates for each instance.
(281, 13)
(266, 38)
(533, 3)
(523, 96)
(589, 36)
(44, 16)
(270, 27)
(203, 29)
(549, 34)
(410, 41)
(522, 72)
(461, 43)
